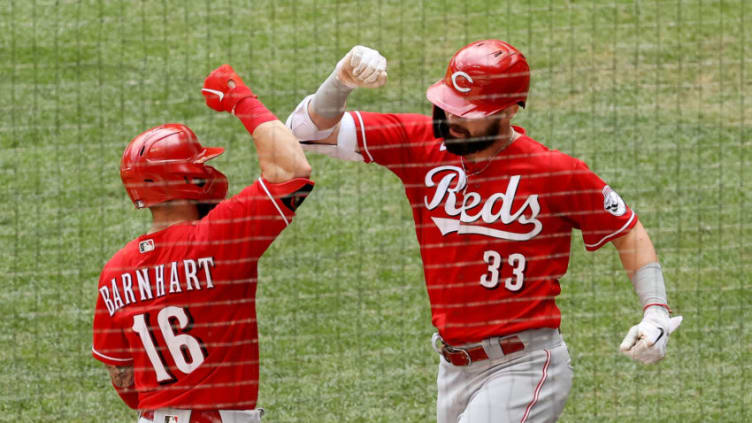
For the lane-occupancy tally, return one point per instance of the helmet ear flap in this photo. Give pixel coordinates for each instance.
(440, 126)
(216, 190)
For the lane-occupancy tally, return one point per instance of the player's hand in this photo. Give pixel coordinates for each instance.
(223, 89)
(646, 342)
(362, 67)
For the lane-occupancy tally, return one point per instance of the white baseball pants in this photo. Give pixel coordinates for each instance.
(174, 415)
(531, 385)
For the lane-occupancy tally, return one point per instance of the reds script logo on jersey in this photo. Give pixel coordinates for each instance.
(496, 208)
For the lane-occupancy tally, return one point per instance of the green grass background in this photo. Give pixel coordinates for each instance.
(653, 95)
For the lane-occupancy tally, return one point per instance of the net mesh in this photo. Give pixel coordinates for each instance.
(651, 94)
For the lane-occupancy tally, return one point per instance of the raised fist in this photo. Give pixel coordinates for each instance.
(223, 89)
(362, 67)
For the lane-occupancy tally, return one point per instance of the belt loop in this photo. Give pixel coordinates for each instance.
(435, 339)
(241, 416)
(492, 348)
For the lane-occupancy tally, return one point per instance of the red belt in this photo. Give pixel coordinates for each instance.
(466, 356)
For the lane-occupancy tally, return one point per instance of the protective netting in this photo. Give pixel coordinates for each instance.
(651, 94)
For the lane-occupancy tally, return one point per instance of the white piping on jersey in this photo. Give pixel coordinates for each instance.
(273, 202)
(124, 360)
(612, 233)
(363, 135)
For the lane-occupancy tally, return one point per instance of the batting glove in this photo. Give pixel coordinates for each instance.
(646, 342)
(223, 89)
(362, 67)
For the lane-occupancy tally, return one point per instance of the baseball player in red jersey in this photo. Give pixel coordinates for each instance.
(494, 212)
(175, 319)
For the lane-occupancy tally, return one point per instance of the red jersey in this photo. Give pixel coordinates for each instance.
(179, 304)
(494, 236)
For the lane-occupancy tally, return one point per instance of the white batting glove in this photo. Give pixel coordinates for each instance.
(362, 67)
(646, 342)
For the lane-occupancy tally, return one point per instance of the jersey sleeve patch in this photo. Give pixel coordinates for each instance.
(613, 203)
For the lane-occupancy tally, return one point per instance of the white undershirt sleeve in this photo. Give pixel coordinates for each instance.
(347, 140)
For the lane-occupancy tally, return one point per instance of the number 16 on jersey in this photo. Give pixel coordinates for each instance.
(495, 261)
(187, 352)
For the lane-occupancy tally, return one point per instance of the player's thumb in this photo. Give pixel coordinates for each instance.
(674, 323)
(630, 339)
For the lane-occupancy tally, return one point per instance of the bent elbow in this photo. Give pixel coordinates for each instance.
(303, 169)
(278, 174)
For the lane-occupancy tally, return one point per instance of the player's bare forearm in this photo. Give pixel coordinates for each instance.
(635, 249)
(122, 380)
(279, 153)
(121, 376)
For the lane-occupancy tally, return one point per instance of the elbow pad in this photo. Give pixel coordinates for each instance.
(347, 143)
(302, 126)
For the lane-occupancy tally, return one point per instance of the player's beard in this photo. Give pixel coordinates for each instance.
(471, 144)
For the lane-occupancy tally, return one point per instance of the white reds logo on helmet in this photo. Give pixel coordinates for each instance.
(464, 75)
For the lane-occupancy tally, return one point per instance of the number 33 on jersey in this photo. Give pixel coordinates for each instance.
(496, 244)
(494, 260)
(494, 236)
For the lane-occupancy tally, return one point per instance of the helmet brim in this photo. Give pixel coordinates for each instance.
(442, 96)
(207, 154)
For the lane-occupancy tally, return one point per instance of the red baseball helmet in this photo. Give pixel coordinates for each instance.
(483, 78)
(167, 163)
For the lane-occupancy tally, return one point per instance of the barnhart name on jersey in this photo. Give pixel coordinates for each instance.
(491, 211)
(120, 292)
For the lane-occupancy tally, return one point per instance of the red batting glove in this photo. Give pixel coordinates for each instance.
(237, 99)
(218, 93)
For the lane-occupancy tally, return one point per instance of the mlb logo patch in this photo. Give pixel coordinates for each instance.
(146, 246)
(612, 202)
(171, 419)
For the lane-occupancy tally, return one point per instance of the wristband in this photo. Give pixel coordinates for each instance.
(252, 113)
(649, 286)
(659, 305)
(329, 100)
(237, 94)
